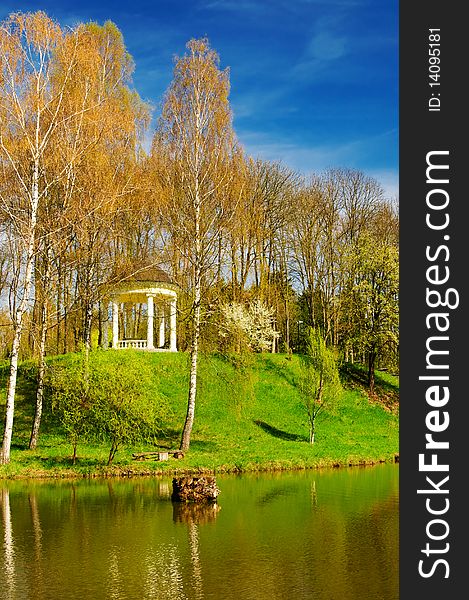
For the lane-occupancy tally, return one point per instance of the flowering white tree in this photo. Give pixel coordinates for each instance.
(250, 326)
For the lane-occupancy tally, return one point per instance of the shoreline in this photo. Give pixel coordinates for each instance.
(131, 471)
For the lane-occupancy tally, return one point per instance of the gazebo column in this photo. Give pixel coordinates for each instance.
(161, 330)
(104, 325)
(172, 326)
(115, 324)
(150, 306)
(128, 333)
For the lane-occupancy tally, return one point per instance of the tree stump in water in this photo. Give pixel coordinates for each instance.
(195, 489)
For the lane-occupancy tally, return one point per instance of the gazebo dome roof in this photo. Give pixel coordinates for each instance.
(135, 273)
(135, 282)
(149, 273)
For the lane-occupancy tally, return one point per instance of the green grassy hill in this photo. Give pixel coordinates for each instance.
(249, 416)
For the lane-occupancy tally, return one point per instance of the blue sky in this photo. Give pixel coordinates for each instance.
(314, 83)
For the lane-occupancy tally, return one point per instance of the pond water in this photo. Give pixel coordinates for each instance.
(316, 535)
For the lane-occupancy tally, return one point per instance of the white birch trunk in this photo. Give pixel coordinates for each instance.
(42, 360)
(186, 434)
(19, 320)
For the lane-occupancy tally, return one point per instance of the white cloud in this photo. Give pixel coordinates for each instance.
(325, 46)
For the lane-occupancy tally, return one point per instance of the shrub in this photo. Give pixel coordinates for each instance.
(108, 396)
(65, 382)
(319, 382)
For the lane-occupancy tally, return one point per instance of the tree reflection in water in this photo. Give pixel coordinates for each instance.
(193, 515)
(8, 544)
(118, 538)
(37, 532)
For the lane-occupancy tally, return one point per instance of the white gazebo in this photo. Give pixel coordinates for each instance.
(148, 295)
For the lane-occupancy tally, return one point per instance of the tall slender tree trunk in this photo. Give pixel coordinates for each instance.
(312, 432)
(42, 357)
(19, 319)
(100, 324)
(58, 302)
(219, 259)
(40, 385)
(371, 369)
(88, 317)
(234, 273)
(187, 431)
(10, 404)
(88, 307)
(287, 309)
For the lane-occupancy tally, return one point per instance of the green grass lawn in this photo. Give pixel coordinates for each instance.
(249, 416)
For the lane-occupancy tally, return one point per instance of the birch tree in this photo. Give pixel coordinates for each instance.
(319, 382)
(106, 176)
(59, 91)
(195, 134)
(29, 117)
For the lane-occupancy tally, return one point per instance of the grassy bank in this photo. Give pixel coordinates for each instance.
(249, 417)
